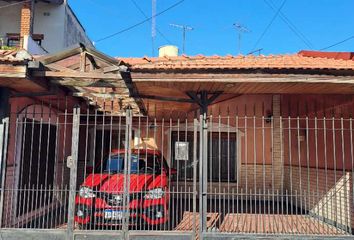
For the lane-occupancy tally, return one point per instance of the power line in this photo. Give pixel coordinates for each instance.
(269, 25)
(291, 25)
(337, 43)
(157, 29)
(139, 23)
(12, 4)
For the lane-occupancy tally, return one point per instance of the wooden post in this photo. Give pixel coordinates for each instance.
(72, 164)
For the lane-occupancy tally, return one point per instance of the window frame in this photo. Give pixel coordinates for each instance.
(214, 128)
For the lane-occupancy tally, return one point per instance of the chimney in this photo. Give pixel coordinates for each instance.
(26, 21)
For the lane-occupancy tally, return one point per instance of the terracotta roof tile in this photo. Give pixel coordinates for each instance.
(334, 55)
(14, 55)
(293, 61)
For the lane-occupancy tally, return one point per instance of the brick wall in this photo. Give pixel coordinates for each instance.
(26, 26)
(259, 178)
(277, 148)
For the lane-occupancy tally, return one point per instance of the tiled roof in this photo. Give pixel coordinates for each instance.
(14, 55)
(333, 55)
(200, 62)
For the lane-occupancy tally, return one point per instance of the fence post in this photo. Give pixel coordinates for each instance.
(203, 163)
(4, 130)
(127, 167)
(195, 164)
(203, 101)
(72, 164)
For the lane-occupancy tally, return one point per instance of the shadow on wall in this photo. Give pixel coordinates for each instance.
(334, 207)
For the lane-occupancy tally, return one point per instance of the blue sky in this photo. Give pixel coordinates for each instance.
(321, 22)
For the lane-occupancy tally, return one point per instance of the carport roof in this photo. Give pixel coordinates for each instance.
(163, 82)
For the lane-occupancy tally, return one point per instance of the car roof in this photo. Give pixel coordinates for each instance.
(140, 151)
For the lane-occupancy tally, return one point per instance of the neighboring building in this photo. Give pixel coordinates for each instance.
(261, 146)
(40, 26)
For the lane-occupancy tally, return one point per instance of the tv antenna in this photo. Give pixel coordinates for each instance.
(153, 26)
(259, 50)
(184, 29)
(241, 29)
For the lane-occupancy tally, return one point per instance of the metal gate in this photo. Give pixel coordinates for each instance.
(123, 179)
(76, 172)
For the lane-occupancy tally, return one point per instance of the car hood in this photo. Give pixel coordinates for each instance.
(114, 183)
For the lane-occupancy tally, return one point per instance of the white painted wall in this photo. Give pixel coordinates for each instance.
(74, 31)
(51, 26)
(9, 19)
(58, 23)
(32, 46)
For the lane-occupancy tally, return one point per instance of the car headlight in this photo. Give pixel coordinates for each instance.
(86, 192)
(155, 193)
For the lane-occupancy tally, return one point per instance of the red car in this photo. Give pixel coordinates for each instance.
(100, 199)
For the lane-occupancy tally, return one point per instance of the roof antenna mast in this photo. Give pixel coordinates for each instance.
(153, 26)
(240, 30)
(184, 29)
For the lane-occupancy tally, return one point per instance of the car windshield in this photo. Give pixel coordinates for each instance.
(140, 164)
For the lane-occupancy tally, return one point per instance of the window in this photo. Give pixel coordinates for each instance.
(222, 155)
(140, 164)
(13, 39)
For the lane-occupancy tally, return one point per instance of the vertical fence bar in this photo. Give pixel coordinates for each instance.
(72, 163)
(195, 161)
(352, 163)
(201, 162)
(203, 166)
(4, 127)
(127, 166)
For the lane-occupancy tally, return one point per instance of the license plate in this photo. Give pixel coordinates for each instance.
(113, 214)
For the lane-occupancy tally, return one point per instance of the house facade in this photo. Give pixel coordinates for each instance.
(254, 146)
(40, 27)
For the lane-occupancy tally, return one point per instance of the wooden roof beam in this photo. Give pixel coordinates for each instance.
(60, 55)
(57, 67)
(168, 99)
(102, 57)
(88, 83)
(79, 75)
(82, 62)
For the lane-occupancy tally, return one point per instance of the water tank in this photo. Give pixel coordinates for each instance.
(168, 50)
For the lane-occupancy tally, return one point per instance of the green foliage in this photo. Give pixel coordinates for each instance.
(4, 47)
